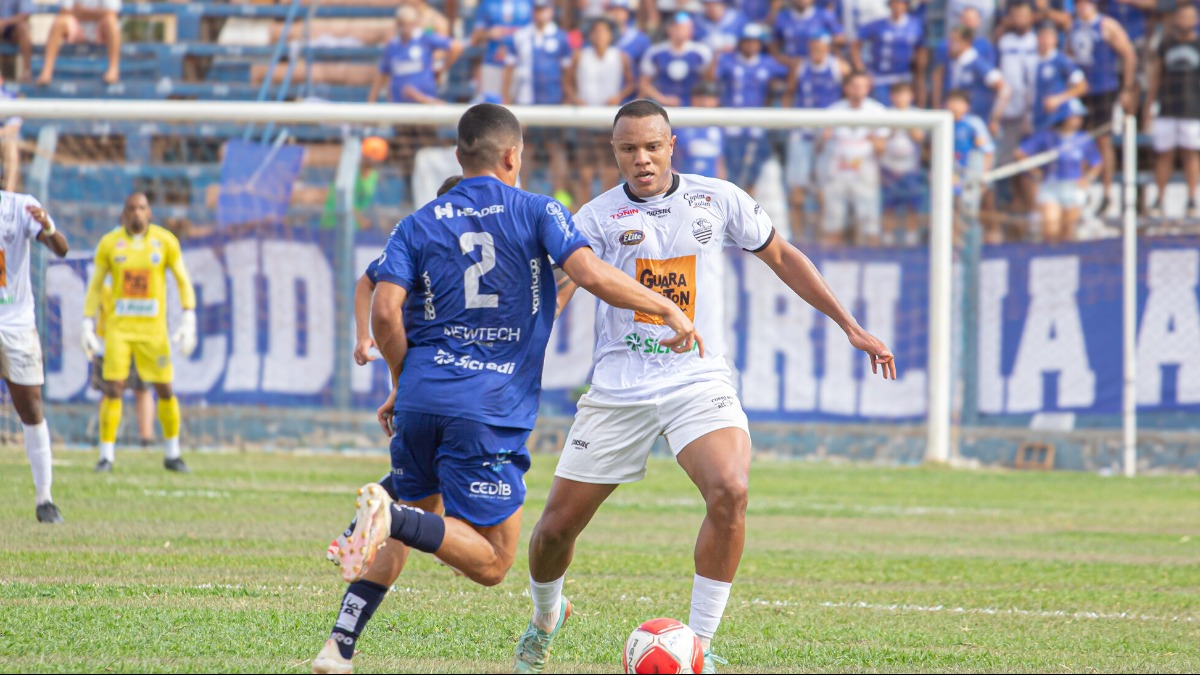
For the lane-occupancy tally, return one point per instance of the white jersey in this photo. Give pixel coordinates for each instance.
(598, 79)
(17, 229)
(1018, 64)
(672, 244)
(851, 153)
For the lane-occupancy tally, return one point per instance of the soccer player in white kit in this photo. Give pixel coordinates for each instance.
(23, 219)
(668, 231)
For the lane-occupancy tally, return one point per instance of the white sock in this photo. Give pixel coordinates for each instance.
(37, 449)
(108, 451)
(547, 602)
(172, 449)
(709, 598)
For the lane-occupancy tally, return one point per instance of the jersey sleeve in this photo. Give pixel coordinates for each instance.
(372, 272)
(174, 260)
(95, 289)
(396, 265)
(385, 60)
(557, 231)
(833, 25)
(747, 223)
(1091, 153)
(705, 53)
(648, 67)
(588, 222)
(438, 42)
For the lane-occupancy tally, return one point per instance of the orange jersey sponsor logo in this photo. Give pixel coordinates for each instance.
(674, 278)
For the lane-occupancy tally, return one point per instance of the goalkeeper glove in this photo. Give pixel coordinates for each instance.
(185, 337)
(92, 346)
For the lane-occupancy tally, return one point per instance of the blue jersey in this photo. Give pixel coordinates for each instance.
(747, 84)
(372, 272)
(539, 59)
(972, 73)
(971, 135)
(982, 46)
(1131, 18)
(698, 150)
(510, 14)
(1054, 74)
(755, 11)
(892, 49)
(1098, 60)
(720, 36)
(479, 260)
(818, 86)
(794, 29)
(676, 73)
(410, 63)
(1074, 150)
(635, 43)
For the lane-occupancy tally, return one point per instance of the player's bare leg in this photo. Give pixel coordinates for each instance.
(1051, 223)
(143, 407)
(719, 464)
(27, 400)
(483, 554)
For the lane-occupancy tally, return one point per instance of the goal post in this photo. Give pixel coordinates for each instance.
(938, 125)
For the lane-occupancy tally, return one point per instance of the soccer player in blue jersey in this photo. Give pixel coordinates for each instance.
(495, 21)
(797, 24)
(413, 61)
(1056, 80)
(1103, 51)
(1062, 190)
(671, 69)
(467, 369)
(745, 79)
(895, 51)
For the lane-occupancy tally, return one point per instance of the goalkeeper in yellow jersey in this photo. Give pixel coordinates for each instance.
(137, 256)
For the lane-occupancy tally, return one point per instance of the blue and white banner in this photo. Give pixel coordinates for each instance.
(1049, 331)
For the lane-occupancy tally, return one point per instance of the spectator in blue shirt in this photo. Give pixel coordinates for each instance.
(671, 69)
(1064, 182)
(1057, 79)
(699, 150)
(895, 51)
(719, 26)
(629, 38)
(971, 135)
(967, 70)
(744, 78)
(14, 28)
(495, 21)
(537, 61)
(1131, 14)
(796, 24)
(413, 61)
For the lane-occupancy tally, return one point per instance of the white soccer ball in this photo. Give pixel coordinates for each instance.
(663, 646)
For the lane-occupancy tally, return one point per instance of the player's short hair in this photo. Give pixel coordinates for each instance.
(136, 194)
(966, 34)
(643, 107)
(960, 94)
(855, 74)
(448, 185)
(901, 86)
(485, 132)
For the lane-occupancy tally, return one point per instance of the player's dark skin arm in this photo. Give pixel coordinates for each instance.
(801, 275)
(56, 242)
(387, 321)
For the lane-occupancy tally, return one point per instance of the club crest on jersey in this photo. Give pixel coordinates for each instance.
(624, 213)
(155, 258)
(702, 230)
(632, 237)
(697, 200)
(121, 243)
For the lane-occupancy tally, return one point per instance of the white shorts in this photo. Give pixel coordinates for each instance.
(1172, 132)
(611, 439)
(799, 171)
(1065, 193)
(94, 5)
(851, 193)
(21, 357)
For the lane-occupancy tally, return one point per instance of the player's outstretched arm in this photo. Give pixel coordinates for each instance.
(363, 342)
(801, 275)
(387, 321)
(50, 236)
(620, 290)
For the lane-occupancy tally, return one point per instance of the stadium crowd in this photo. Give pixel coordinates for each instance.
(1022, 79)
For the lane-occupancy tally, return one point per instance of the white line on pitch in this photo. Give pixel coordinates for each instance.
(985, 611)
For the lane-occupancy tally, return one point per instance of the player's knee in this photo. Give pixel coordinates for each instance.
(553, 533)
(727, 501)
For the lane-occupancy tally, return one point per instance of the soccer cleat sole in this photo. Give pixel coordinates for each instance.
(371, 531)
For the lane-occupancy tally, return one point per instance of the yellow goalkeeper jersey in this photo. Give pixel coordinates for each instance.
(138, 266)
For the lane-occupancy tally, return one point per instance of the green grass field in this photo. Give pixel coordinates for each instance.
(846, 569)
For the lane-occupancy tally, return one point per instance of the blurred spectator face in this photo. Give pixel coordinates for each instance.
(1085, 9)
(1047, 40)
(1185, 19)
(802, 5)
(1020, 18)
(902, 97)
(857, 88)
(679, 31)
(955, 44)
(705, 100)
(898, 8)
(407, 22)
(714, 9)
(601, 35)
(818, 50)
(969, 18)
(543, 15)
(620, 16)
(958, 106)
(750, 47)
(1071, 125)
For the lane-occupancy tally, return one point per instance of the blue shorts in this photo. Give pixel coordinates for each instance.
(744, 158)
(905, 192)
(478, 469)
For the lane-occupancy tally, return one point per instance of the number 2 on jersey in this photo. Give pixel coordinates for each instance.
(469, 241)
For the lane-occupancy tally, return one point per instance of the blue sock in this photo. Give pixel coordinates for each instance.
(388, 487)
(418, 529)
(360, 602)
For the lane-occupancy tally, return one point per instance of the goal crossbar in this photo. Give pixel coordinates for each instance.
(939, 124)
